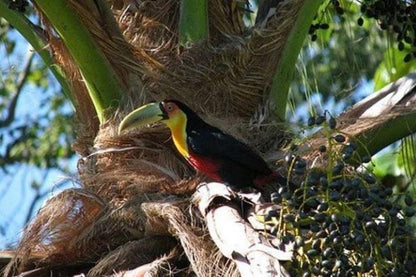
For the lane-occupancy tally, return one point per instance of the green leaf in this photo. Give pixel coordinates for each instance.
(406, 158)
(193, 21)
(392, 68)
(385, 164)
(290, 52)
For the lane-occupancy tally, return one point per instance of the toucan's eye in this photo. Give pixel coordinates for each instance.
(169, 107)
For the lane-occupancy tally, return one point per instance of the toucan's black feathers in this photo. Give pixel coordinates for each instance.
(213, 143)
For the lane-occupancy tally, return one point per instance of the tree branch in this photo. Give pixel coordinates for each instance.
(383, 118)
(380, 119)
(235, 238)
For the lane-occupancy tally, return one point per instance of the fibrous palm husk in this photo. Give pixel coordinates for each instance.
(229, 75)
(188, 227)
(135, 254)
(127, 166)
(76, 226)
(159, 267)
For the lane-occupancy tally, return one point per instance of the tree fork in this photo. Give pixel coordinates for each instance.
(103, 85)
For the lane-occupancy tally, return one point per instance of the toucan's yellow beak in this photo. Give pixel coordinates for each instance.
(144, 115)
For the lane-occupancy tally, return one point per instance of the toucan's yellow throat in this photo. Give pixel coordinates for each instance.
(168, 113)
(177, 125)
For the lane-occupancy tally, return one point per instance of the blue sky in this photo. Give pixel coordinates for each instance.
(16, 197)
(16, 194)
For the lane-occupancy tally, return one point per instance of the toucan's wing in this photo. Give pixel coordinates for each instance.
(213, 143)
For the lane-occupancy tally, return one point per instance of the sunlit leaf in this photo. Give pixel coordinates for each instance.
(392, 68)
(385, 164)
(406, 158)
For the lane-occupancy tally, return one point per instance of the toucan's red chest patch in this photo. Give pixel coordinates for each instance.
(207, 166)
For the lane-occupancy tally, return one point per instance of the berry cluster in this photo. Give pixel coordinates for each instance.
(396, 16)
(324, 26)
(18, 5)
(314, 27)
(341, 221)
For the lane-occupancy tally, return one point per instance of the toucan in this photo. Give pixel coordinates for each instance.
(217, 155)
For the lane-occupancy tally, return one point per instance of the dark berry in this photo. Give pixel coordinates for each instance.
(319, 217)
(408, 40)
(316, 244)
(322, 207)
(312, 29)
(408, 200)
(323, 181)
(311, 121)
(328, 252)
(289, 218)
(328, 264)
(370, 179)
(334, 196)
(339, 138)
(400, 46)
(407, 58)
(332, 123)
(312, 252)
(324, 26)
(370, 225)
(300, 163)
(320, 119)
(366, 159)
(339, 10)
(409, 212)
(299, 171)
(315, 227)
